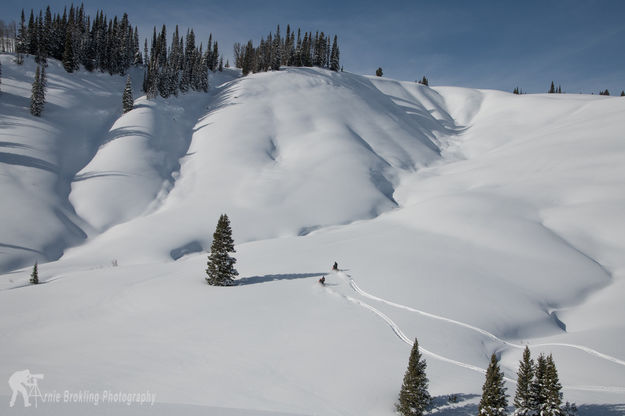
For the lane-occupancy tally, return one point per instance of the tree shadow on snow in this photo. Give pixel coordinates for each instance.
(601, 409)
(454, 404)
(252, 280)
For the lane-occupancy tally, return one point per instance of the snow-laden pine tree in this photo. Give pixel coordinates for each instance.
(220, 270)
(34, 276)
(552, 406)
(494, 400)
(522, 398)
(538, 390)
(127, 101)
(37, 98)
(43, 82)
(414, 397)
(378, 72)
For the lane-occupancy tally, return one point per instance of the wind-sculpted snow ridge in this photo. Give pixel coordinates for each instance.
(283, 153)
(39, 156)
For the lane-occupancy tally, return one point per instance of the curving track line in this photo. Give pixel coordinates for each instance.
(587, 350)
(403, 337)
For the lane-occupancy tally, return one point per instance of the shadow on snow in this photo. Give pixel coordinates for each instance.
(252, 280)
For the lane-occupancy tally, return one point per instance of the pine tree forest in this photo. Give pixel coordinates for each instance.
(292, 49)
(109, 45)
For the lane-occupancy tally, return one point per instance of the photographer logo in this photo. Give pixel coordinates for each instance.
(25, 383)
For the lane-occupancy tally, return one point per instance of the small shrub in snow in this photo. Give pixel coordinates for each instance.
(34, 276)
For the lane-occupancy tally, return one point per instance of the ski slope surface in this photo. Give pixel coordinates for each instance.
(477, 221)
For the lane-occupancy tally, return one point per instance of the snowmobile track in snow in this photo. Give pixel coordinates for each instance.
(587, 350)
(403, 337)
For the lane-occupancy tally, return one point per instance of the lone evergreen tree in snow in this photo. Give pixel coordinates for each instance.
(34, 276)
(552, 89)
(424, 81)
(127, 101)
(221, 271)
(37, 98)
(622, 93)
(522, 398)
(414, 397)
(378, 72)
(494, 400)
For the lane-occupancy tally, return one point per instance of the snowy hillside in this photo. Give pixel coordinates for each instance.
(478, 221)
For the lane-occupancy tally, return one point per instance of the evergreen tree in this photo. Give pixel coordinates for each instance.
(31, 43)
(334, 55)
(424, 81)
(553, 388)
(622, 93)
(127, 101)
(522, 398)
(552, 89)
(494, 400)
(37, 98)
(559, 89)
(378, 72)
(221, 271)
(68, 53)
(516, 91)
(34, 276)
(276, 52)
(538, 391)
(414, 397)
(43, 80)
(569, 409)
(22, 36)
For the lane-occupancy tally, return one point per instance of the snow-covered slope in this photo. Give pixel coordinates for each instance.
(477, 221)
(283, 153)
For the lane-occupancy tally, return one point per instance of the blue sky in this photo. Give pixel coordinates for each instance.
(496, 44)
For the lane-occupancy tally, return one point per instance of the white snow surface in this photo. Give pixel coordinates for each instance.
(476, 221)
